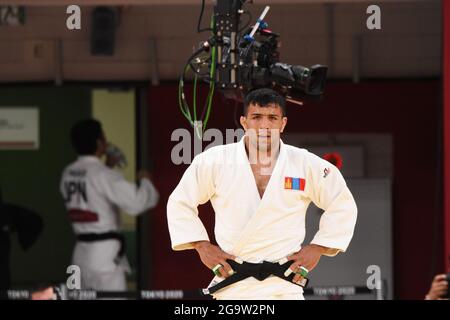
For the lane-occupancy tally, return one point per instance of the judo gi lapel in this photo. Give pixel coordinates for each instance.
(254, 197)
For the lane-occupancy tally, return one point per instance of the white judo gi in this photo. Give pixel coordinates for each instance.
(93, 195)
(259, 229)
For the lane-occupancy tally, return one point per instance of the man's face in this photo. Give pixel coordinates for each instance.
(263, 125)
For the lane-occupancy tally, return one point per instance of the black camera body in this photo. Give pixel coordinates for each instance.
(245, 62)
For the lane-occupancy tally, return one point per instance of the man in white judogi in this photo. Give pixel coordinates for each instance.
(260, 189)
(93, 194)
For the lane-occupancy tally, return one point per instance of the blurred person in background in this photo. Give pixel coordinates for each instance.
(93, 194)
(24, 222)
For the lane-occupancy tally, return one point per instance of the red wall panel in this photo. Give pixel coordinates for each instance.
(446, 125)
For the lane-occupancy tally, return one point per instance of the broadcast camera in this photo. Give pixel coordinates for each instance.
(237, 59)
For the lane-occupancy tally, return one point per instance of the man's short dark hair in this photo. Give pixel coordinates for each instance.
(263, 97)
(84, 136)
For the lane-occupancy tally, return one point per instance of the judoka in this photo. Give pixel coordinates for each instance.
(260, 189)
(93, 194)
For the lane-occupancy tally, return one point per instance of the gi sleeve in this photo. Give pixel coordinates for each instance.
(127, 196)
(329, 192)
(195, 187)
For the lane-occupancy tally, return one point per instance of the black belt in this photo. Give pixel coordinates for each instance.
(92, 237)
(259, 271)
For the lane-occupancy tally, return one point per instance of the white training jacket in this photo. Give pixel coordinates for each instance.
(94, 193)
(255, 229)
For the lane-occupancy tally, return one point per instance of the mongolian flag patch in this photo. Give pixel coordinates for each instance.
(294, 183)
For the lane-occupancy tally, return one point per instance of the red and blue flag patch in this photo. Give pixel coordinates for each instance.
(294, 183)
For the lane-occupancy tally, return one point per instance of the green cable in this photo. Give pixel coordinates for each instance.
(194, 100)
(212, 84)
(212, 79)
(199, 135)
(184, 100)
(181, 101)
(184, 107)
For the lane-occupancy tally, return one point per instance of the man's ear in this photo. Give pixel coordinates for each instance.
(243, 121)
(284, 124)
